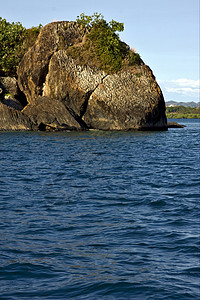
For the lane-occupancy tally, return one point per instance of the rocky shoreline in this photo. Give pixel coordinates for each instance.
(175, 125)
(54, 93)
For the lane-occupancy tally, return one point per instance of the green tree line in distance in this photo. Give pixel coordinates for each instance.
(182, 112)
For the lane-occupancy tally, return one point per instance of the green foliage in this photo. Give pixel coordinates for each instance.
(108, 47)
(89, 21)
(14, 41)
(103, 47)
(182, 112)
(30, 37)
(98, 20)
(116, 26)
(133, 58)
(84, 54)
(11, 40)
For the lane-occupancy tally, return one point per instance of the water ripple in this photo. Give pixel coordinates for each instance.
(100, 215)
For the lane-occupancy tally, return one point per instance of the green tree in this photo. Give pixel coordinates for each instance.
(98, 20)
(14, 42)
(104, 41)
(11, 40)
(109, 49)
(181, 111)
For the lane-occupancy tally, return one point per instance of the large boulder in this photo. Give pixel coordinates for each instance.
(70, 83)
(10, 93)
(8, 86)
(12, 119)
(33, 68)
(52, 115)
(127, 100)
(61, 91)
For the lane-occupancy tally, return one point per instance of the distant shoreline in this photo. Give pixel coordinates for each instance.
(192, 104)
(182, 112)
(178, 116)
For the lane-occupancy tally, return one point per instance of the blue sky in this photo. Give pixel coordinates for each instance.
(164, 32)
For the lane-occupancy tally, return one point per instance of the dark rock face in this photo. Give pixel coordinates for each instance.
(175, 125)
(8, 85)
(63, 95)
(51, 115)
(12, 119)
(9, 90)
(14, 103)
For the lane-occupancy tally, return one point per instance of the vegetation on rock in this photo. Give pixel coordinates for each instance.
(181, 112)
(62, 94)
(14, 42)
(102, 47)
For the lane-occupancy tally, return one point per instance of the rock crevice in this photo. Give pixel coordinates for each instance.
(64, 95)
(87, 98)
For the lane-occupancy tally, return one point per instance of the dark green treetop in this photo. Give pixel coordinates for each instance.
(103, 47)
(14, 42)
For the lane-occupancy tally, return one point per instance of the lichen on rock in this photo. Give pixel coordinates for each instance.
(84, 96)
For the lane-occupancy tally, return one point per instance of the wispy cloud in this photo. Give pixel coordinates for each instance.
(181, 88)
(186, 82)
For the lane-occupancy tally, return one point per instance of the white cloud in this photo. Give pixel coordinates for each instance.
(181, 88)
(186, 82)
(185, 91)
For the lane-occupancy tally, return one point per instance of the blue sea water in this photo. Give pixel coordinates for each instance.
(100, 215)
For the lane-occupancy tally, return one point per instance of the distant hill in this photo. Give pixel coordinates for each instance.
(185, 104)
(182, 112)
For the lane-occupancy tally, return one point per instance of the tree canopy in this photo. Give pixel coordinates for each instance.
(15, 39)
(98, 20)
(103, 47)
(182, 112)
(11, 40)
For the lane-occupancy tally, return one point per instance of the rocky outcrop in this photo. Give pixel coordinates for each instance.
(11, 94)
(51, 115)
(8, 86)
(33, 68)
(175, 125)
(70, 83)
(13, 119)
(128, 100)
(63, 95)
(123, 101)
